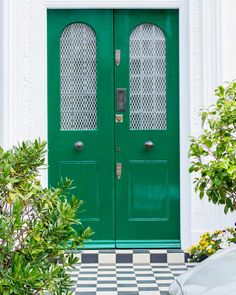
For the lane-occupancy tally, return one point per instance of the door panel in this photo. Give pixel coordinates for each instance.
(79, 171)
(147, 194)
(81, 108)
(115, 110)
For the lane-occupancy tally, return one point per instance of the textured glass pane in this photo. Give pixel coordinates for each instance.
(78, 78)
(147, 78)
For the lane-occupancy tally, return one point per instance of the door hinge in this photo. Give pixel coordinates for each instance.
(118, 170)
(117, 57)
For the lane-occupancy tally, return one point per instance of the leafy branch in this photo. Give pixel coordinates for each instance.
(213, 153)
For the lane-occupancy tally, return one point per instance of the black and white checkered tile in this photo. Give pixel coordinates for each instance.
(127, 272)
(125, 278)
(134, 256)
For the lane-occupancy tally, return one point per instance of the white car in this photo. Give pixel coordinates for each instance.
(214, 276)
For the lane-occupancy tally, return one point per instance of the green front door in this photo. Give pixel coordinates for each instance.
(113, 121)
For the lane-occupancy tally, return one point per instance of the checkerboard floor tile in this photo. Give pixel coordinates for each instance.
(125, 278)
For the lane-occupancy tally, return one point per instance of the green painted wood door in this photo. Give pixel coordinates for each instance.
(130, 188)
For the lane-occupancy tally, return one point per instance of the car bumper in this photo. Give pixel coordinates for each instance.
(175, 289)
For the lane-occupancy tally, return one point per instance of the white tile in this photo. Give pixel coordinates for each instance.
(106, 293)
(163, 288)
(89, 251)
(159, 281)
(82, 289)
(164, 275)
(140, 278)
(149, 293)
(107, 278)
(132, 275)
(92, 276)
(107, 258)
(126, 282)
(126, 289)
(175, 258)
(141, 258)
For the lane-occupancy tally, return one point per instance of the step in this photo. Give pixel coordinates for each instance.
(134, 256)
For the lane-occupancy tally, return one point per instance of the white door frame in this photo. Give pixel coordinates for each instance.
(23, 112)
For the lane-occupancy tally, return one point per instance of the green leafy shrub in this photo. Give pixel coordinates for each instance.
(36, 226)
(210, 243)
(213, 153)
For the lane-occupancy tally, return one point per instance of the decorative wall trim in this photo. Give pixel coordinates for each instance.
(212, 48)
(3, 67)
(113, 4)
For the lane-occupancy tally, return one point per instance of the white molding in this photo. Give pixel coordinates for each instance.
(62, 4)
(212, 48)
(3, 69)
(196, 95)
(184, 112)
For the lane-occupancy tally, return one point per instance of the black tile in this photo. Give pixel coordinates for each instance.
(127, 285)
(160, 266)
(86, 285)
(73, 275)
(178, 269)
(106, 282)
(89, 258)
(141, 251)
(112, 289)
(162, 272)
(148, 289)
(186, 257)
(175, 251)
(106, 269)
(163, 285)
(124, 258)
(146, 282)
(128, 293)
(108, 275)
(164, 278)
(158, 258)
(107, 251)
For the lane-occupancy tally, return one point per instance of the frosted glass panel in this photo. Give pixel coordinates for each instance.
(78, 75)
(147, 78)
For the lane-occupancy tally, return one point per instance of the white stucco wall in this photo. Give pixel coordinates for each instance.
(218, 65)
(207, 49)
(228, 31)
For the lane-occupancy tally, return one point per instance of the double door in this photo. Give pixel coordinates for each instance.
(113, 121)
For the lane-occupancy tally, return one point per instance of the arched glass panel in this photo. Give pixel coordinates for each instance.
(78, 78)
(147, 78)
